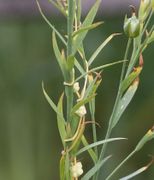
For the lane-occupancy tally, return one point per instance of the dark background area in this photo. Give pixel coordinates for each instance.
(29, 142)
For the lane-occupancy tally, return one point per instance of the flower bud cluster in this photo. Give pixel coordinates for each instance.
(77, 170)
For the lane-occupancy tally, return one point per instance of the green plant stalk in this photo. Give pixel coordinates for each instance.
(117, 101)
(121, 164)
(109, 130)
(69, 89)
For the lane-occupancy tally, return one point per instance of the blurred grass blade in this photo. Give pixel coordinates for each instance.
(147, 137)
(97, 144)
(139, 171)
(96, 167)
(60, 121)
(87, 22)
(82, 102)
(124, 102)
(48, 22)
(87, 28)
(99, 49)
(128, 81)
(90, 151)
(52, 104)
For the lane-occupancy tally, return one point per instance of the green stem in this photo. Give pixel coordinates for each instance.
(117, 100)
(69, 89)
(109, 130)
(121, 164)
(70, 20)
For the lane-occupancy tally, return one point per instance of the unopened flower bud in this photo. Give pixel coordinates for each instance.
(76, 87)
(81, 111)
(77, 170)
(132, 26)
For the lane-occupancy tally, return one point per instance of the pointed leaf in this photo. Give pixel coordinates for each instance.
(60, 121)
(128, 81)
(82, 29)
(90, 151)
(96, 167)
(87, 22)
(60, 58)
(147, 137)
(97, 144)
(124, 102)
(52, 104)
(99, 49)
(48, 22)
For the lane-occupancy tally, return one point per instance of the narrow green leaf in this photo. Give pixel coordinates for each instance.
(147, 137)
(48, 22)
(60, 59)
(99, 49)
(52, 104)
(99, 68)
(82, 29)
(130, 176)
(96, 167)
(60, 121)
(97, 144)
(128, 81)
(124, 102)
(87, 22)
(90, 151)
(82, 102)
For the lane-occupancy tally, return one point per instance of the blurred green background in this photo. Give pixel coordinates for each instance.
(29, 142)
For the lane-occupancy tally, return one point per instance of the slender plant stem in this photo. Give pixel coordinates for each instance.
(109, 130)
(117, 100)
(69, 89)
(122, 163)
(70, 20)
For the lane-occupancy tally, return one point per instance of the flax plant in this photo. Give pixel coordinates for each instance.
(81, 80)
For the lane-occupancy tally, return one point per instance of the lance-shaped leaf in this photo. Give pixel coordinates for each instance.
(98, 143)
(82, 29)
(137, 172)
(99, 49)
(90, 151)
(96, 167)
(87, 22)
(52, 104)
(48, 22)
(60, 57)
(60, 121)
(147, 137)
(128, 81)
(124, 102)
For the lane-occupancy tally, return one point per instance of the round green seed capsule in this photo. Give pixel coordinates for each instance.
(132, 26)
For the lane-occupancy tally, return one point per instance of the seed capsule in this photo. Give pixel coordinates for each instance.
(132, 26)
